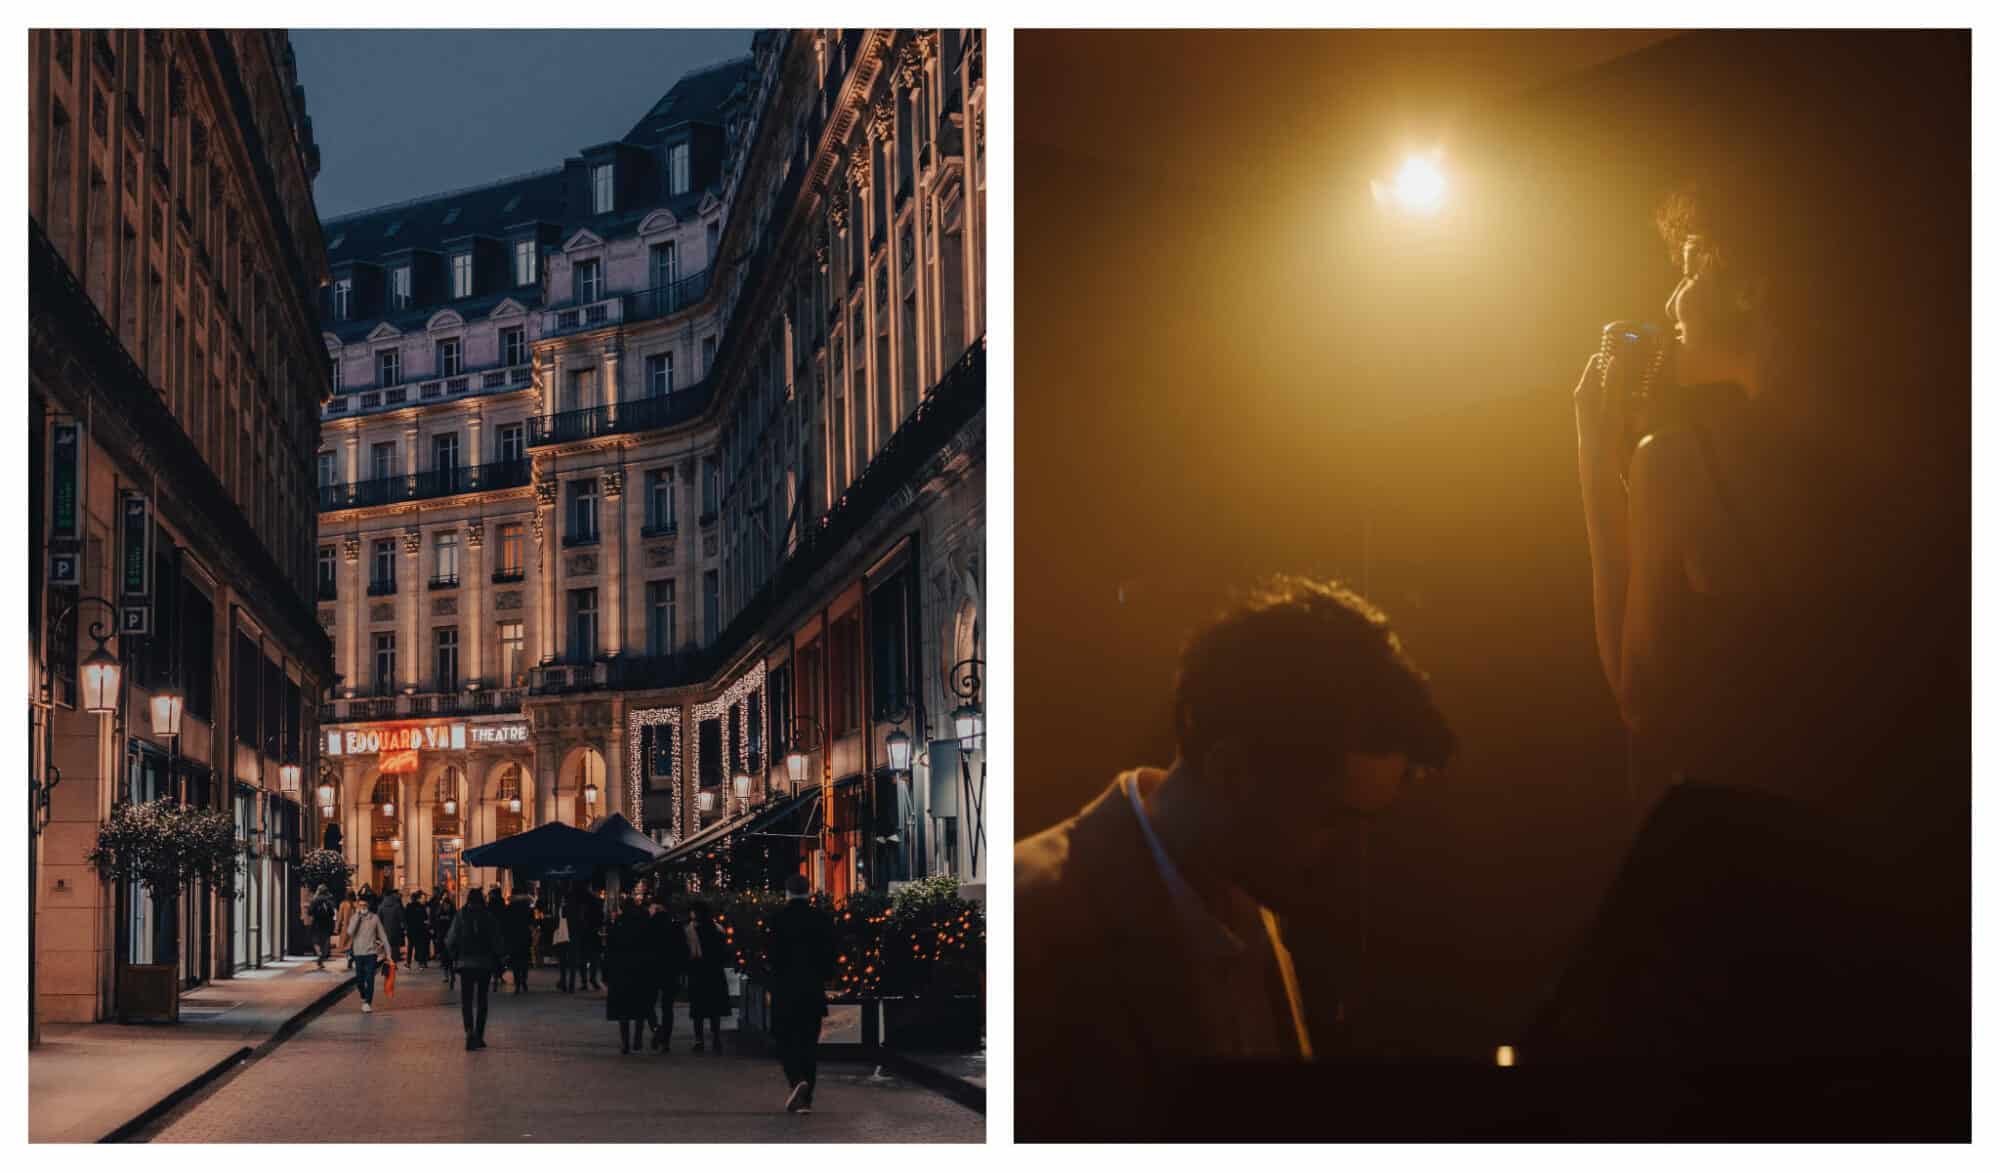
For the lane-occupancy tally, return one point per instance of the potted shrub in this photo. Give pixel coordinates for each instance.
(932, 956)
(326, 868)
(163, 846)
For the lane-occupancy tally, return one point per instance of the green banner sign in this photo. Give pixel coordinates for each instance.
(66, 444)
(135, 529)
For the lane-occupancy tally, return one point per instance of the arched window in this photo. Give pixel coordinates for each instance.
(510, 816)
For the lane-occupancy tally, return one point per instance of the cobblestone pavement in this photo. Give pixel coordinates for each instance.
(551, 1072)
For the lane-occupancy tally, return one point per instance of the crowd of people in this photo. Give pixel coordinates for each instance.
(634, 949)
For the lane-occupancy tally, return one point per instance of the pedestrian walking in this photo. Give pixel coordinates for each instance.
(799, 942)
(708, 989)
(368, 944)
(343, 920)
(565, 941)
(320, 914)
(593, 937)
(627, 972)
(476, 949)
(443, 911)
(669, 957)
(518, 927)
(419, 916)
(496, 906)
(390, 908)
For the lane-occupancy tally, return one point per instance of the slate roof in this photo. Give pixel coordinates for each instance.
(412, 320)
(420, 223)
(701, 96)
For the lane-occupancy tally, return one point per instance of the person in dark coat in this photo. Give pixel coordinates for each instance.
(569, 953)
(708, 989)
(391, 911)
(518, 925)
(443, 911)
(799, 943)
(418, 917)
(669, 959)
(496, 906)
(320, 914)
(628, 972)
(476, 948)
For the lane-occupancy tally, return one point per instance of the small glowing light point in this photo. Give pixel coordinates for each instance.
(1419, 186)
(1504, 1056)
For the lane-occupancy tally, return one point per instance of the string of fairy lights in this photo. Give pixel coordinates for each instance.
(749, 683)
(636, 724)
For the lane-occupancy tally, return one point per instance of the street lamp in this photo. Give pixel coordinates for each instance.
(807, 737)
(288, 777)
(101, 676)
(899, 751)
(388, 809)
(741, 782)
(167, 706)
(704, 802)
(967, 676)
(590, 793)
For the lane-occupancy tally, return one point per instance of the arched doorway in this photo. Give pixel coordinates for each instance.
(580, 795)
(447, 834)
(385, 835)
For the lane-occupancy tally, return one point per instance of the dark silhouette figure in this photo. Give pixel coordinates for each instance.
(628, 970)
(708, 988)
(799, 942)
(476, 949)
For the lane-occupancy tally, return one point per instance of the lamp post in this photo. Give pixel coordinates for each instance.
(967, 681)
(101, 677)
(806, 737)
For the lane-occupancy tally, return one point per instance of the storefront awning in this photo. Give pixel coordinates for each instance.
(747, 823)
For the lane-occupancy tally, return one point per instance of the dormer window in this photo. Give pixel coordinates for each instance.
(600, 189)
(677, 169)
(343, 298)
(461, 275)
(524, 262)
(399, 286)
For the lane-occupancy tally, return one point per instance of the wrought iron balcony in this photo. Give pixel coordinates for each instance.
(614, 308)
(516, 574)
(417, 486)
(380, 586)
(620, 418)
(455, 703)
(444, 581)
(624, 672)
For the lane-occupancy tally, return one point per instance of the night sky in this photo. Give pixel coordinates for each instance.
(401, 114)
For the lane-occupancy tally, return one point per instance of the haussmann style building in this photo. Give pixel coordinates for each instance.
(652, 484)
(175, 386)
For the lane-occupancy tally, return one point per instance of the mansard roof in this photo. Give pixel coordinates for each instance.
(701, 96)
(421, 223)
(417, 319)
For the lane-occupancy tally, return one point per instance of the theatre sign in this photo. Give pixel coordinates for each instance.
(401, 739)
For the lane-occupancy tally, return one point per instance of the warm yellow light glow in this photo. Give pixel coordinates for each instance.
(167, 714)
(1504, 1056)
(1420, 185)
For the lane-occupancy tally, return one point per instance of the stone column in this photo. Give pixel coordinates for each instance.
(546, 489)
(411, 595)
(351, 611)
(547, 759)
(474, 619)
(613, 550)
(353, 445)
(609, 388)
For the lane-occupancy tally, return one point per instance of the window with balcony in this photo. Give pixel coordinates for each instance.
(450, 357)
(382, 461)
(660, 617)
(844, 664)
(582, 625)
(525, 262)
(385, 663)
(513, 347)
(444, 563)
(660, 500)
(388, 367)
(327, 566)
(513, 672)
(444, 451)
(600, 189)
(508, 566)
(660, 374)
(382, 576)
(677, 169)
(343, 298)
(399, 287)
(665, 267)
(444, 644)
(711, 607)
(327, 475)
(582, 512)
(580, 389)
(513, 442)
(461, 275)
(587, 282)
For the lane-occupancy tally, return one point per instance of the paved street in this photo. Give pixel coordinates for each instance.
(552, 1072)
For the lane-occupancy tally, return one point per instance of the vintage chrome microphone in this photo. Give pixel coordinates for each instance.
(1635, 362)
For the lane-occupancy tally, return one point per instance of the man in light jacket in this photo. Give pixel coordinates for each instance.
(369, 946)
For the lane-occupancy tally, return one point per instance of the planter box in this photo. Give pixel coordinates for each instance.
(939, 1023)
(149, 992)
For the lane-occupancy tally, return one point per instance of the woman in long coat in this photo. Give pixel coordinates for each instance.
(708, 989)
(628, 973)
(418, 915)
(443, 909)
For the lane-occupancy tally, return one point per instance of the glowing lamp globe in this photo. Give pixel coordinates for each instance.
(388, 809)
(326, 811)
(513, 805)
(899, 751)
(288, 777)
(742, 784)
(451, 806)
(704, 802)
(395, 844)
(971, 727)
(167, 713)
(795, 766)
(326, 794)
(101, 676)
(1419, 185)
(590, 794)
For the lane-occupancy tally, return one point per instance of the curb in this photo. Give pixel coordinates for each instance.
(242, 1054)
(968, 1095)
